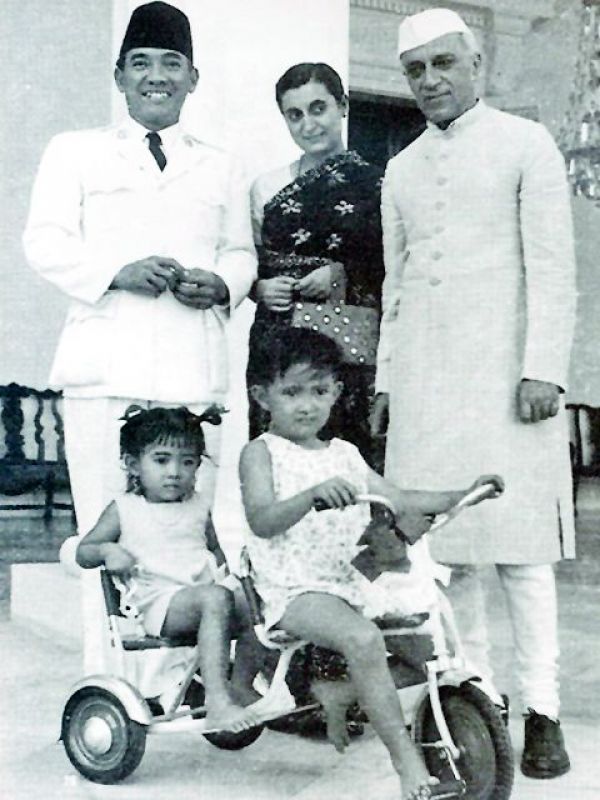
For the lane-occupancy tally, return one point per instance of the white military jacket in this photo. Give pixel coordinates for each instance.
(100, 202)
(479, 293)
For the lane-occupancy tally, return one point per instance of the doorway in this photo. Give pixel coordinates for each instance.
(380, 126)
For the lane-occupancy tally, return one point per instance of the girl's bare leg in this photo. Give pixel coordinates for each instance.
(336, 697)
(250, 655)
(208, 609)
(330, 622)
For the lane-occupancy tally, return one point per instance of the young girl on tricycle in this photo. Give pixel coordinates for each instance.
(301, 556)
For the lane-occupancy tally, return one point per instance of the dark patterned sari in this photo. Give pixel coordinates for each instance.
(333, 212)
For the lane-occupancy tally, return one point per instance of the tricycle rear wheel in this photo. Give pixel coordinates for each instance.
(100, 739)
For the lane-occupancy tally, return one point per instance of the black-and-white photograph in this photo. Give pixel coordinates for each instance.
(300, 400)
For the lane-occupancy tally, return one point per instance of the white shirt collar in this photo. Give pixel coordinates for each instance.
(465, 119)
(168, 136)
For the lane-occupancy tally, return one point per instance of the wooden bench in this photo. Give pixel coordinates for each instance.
(582, 467)
(37, 463)
(32, 459)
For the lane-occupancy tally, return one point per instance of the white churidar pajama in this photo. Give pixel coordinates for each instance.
(530, 593)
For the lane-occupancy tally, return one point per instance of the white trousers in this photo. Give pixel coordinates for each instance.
(92, 428)
(530, 592)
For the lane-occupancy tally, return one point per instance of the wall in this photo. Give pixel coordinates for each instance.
(56, 76)
(546, 80)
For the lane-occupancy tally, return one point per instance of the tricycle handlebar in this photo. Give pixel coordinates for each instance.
(475, 496)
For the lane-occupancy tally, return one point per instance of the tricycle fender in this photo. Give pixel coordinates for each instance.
(456, 677)
(133, 702)
(413, 698)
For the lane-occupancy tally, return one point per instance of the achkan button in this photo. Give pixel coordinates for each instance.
(434, 281)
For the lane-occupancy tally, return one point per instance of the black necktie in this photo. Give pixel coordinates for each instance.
(154, 145)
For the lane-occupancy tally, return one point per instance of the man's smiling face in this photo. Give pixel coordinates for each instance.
(155, 83)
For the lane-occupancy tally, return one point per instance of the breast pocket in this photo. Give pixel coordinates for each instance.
(107, 201)
(198, 215)
(86, 346)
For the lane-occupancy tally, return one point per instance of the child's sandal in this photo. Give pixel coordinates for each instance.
(423, 792)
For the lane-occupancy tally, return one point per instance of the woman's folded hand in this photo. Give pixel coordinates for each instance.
(276, 293)
(316, 285)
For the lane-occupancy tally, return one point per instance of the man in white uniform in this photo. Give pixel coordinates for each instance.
(148, 233)
(479, 305)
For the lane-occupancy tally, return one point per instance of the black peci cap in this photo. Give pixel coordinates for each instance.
(158, 25)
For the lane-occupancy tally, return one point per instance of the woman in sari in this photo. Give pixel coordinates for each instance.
(317, 228)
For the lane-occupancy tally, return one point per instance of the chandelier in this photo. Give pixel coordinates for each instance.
(579, 138)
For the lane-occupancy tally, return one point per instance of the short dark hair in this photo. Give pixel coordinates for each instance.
(300, 74)
(145, 427)
(291, 347)
(122, 60)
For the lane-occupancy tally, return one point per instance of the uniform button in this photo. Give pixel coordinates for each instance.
(442, 181)
(438, 229)
(439, 205)
(434, 281)
(437, 255)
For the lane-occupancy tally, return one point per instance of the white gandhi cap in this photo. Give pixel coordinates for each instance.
(419, 29)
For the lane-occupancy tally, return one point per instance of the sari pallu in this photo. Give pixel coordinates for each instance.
(331, 212)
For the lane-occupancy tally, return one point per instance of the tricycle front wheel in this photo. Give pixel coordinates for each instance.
(486, 762)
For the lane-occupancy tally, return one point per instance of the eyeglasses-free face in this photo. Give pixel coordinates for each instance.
(443, 77)
(314, 119)
(155, 83)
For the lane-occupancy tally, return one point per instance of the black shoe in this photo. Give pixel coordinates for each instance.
(544, 754)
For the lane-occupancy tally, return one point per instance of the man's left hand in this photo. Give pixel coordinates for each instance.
(201, 289)
(537, 400)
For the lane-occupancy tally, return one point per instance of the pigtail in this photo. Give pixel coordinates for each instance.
(213, 414)
(131, 412)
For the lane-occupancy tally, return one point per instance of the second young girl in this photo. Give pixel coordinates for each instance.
(161, 529)
(302, 557)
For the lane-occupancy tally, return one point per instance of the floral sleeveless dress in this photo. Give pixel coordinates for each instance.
(315, 554)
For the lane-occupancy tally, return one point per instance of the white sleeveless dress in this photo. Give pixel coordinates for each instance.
(168, 542)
